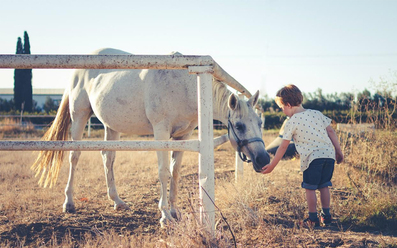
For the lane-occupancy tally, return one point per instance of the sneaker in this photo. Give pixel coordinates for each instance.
(310, 223)
(326, 219)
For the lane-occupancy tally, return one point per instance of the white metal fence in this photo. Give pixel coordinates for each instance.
(205, 68)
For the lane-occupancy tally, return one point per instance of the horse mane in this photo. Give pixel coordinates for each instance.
(221, 94)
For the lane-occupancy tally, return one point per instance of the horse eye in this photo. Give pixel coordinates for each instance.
(240, 126)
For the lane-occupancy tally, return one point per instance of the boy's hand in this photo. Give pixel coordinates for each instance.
(339, 157)
(267, 169)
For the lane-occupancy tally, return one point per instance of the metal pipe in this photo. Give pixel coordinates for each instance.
(26, 61)
(225, 77)
(220, 140)
(185, 145)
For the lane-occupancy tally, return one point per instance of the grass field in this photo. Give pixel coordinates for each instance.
(259, 211)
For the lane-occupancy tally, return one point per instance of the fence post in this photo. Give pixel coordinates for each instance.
(206, 154)
(239, 170)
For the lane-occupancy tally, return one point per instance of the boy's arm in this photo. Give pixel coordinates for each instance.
(279, 155)
(335, 142)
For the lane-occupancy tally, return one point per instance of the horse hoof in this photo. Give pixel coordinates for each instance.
(164, 222)
(176, 214)
(121, 206)
(69, 208)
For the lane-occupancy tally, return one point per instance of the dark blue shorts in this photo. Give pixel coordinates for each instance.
(319, 174)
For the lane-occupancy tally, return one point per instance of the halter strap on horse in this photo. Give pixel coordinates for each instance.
(241, 143)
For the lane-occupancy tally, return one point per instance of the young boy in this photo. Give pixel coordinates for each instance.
(317, 145)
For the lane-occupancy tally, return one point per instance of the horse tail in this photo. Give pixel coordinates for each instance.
(48, 163)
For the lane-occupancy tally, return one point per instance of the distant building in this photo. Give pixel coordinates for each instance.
(39, 95)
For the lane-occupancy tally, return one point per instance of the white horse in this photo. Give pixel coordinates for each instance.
(143, 102)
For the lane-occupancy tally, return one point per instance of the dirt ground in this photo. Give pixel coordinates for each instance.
(32, 216)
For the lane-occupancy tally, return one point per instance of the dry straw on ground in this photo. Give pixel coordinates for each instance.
(260, 211)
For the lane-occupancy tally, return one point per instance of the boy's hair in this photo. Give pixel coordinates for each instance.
(289, 94)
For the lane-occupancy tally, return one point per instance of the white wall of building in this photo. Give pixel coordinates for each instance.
(39, 95)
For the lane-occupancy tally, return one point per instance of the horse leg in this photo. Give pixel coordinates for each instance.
(176, 159)
(108, 161)
(175, 165)
(77, 129)
(164, 175)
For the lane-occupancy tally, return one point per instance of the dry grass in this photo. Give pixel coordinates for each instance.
(10, 127)
(262, 211)
(373, 152)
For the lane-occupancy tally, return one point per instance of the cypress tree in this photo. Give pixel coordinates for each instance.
(27, 77)
(18, 78)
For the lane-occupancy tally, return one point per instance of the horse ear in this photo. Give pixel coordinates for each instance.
(254, 99)
(232, 102)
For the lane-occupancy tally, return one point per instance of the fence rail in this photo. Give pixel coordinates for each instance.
(185, 145)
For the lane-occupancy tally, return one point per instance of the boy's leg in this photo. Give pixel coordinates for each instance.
(325, 194)
(311, 200)
(325, 197)
(311, 181)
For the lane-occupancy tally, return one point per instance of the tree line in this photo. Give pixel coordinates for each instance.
(338, 102)
(379, 108)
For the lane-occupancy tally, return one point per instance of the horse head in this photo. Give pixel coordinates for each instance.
(245, 131)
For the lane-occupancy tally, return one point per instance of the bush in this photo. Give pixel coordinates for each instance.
(274, 120)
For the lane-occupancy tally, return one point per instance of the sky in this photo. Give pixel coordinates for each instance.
(336, 45)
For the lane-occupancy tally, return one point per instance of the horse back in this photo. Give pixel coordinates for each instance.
(133, 101)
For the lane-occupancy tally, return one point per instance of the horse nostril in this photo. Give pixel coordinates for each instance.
(262, 159)
(267, 158)
(258, 160)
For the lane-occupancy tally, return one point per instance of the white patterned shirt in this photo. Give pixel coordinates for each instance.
(308, 129)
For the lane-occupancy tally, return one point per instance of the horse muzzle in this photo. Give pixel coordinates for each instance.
(259, 157)
(257, 154)
(259, 160)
